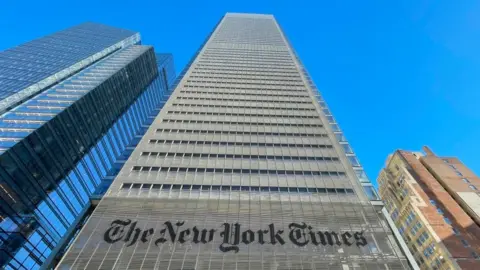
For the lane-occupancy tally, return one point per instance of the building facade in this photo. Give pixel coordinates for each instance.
(243, 168)
(74, 105)
(434, 203)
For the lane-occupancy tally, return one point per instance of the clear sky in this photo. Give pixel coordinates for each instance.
(396, 75)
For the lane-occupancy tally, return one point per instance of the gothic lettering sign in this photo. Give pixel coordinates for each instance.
(232, 235)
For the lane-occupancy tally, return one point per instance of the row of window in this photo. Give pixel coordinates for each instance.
(245, 56)
(243, 107)
(240, 66)
(440, 211)
(246, 99)
(472, 187)
(243, 114)
(262, 157)
(234, 132)
(236, 60)
(245, 67)
(245, 70)
(264, 93)
(168, 187)
(238, 171)
(455, 169)
(279, 81)
(240, 86)
(242, 52)
(240, 123)
(242, 74)
(241, 143)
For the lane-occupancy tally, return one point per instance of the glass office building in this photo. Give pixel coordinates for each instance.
(73, 107)
(243, 168)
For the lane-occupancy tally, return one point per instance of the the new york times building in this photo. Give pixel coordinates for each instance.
(244, 168)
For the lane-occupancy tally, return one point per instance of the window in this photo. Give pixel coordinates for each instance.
(429, 250)
(436, 263)
(466, 180)
(136, 185)
(455, 231)
(353, 160)
(475, 255)
(347, 148)
(465, 243)
(421, 261)
(422, 238)
(395, 214)
(410, 218)
(340, 137)
(401, 179)
(447, 220)
(331, 190)
(371, 194)
(334, 127)
(415, 228)
(362, 176)
(473, 187)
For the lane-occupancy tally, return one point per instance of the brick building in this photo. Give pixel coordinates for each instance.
(435, 202)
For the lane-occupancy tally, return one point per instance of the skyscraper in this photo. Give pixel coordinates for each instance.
(434, 202)
(73, 105)
(243, 168)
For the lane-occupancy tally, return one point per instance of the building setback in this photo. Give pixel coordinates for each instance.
(434, 202)
(73, 105)
(243, 168)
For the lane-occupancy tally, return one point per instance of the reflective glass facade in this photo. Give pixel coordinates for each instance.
(32, 66)
(141, 114)
(60, 147)
(242, 168)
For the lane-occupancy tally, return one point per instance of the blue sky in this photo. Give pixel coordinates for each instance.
(396, 75)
